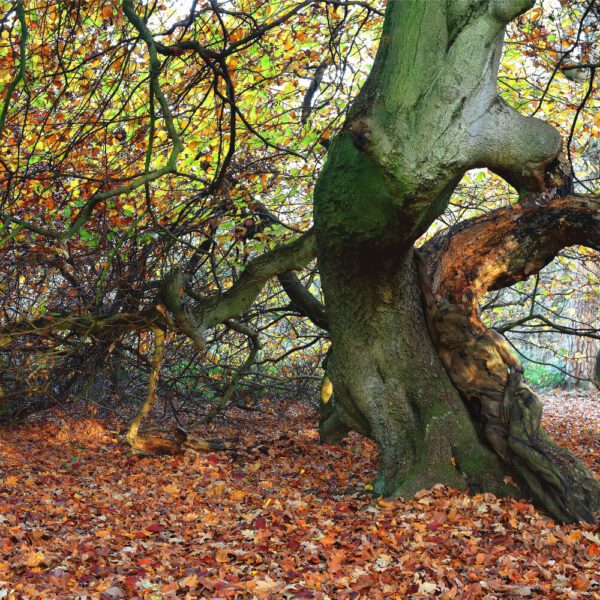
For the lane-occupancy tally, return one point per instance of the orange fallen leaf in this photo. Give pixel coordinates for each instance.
(327, 540)
(35, 559)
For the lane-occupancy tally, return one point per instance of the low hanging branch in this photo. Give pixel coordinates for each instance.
(153, 442)
(175, 309)
(181, 315)
(239, 297)
(255, 346)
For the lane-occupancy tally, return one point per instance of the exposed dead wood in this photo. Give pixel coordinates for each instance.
(154, 445)
(508, 245)
(168, 442)
(499, 249)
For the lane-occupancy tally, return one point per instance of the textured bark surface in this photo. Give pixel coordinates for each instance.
(390, 385)
(508, 245)
(428, 112)
(586, 350)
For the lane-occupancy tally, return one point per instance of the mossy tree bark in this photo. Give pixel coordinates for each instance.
(390, 385)
(428, 112)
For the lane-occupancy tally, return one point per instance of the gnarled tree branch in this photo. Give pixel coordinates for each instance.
(288, 257)
(508, 245)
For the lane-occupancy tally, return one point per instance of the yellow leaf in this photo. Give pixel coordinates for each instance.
(217, 489)
(34, 559)
(326, 390)
(265, 586)
(103, 533)
(172, 489)
(535, 14)
(551, 539)
(237, 495)
(573, 537)
(222, 556)
(191, 581)
(327, 540)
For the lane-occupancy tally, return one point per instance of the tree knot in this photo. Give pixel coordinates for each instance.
(361, 135)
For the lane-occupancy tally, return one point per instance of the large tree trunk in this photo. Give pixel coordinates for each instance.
(390, 385)
(388, 380)
(428, 113)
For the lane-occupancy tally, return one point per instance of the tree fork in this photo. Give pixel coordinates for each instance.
(428, 112)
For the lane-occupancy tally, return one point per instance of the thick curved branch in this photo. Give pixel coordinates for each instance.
(508, 245)
(310, 306)
(240, 296)
(516, 147)
(491, 252)
(20, 75)
(172, 294)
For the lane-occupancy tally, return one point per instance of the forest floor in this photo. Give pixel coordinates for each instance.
(81, 517)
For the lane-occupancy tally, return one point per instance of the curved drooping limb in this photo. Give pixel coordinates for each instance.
(499, 249)
(151, 444)
(171, 294)
(488, 374)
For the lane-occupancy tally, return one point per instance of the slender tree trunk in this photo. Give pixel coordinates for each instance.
(144, 411)
(584, 350)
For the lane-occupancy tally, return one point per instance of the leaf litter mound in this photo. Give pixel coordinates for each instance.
(281, 517)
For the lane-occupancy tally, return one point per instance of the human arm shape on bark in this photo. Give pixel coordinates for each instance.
(506, 351)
